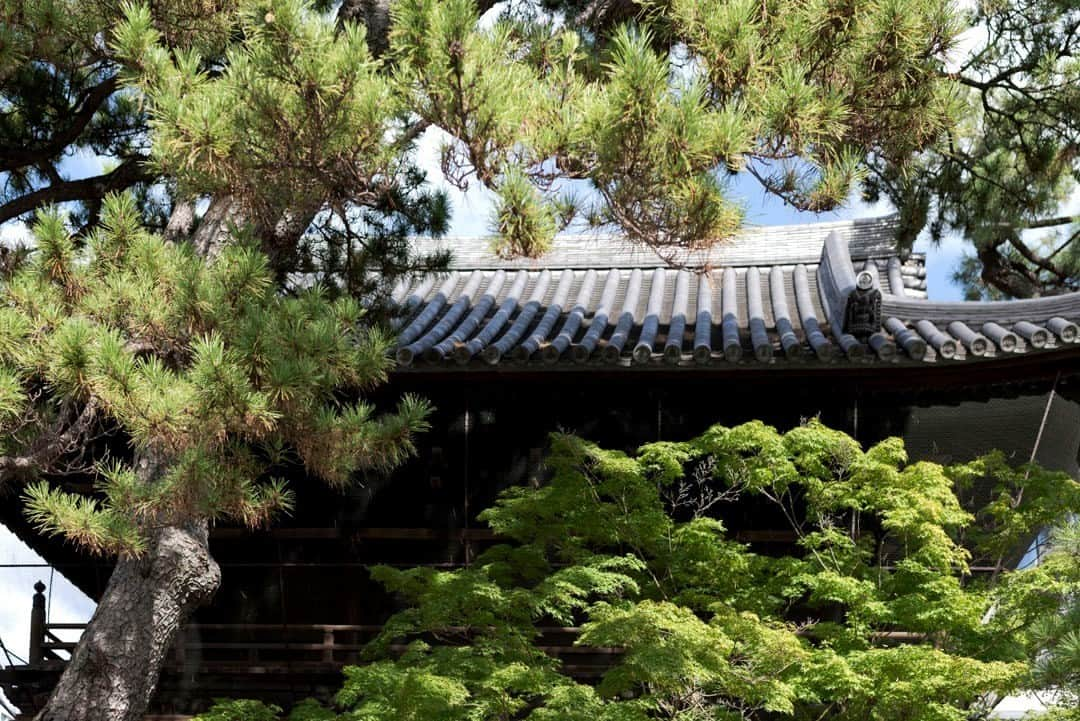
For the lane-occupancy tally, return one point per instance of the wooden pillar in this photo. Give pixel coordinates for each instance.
(37, 625)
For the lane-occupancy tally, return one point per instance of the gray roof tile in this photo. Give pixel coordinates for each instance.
(770, 297)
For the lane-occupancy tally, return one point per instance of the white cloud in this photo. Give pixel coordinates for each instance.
(858, 208)
(85, 163)
(14, 233)
(968, 40)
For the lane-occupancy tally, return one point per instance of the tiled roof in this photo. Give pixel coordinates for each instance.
(770, 296)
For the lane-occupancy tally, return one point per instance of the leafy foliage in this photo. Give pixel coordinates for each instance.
(1044, 606)
(213, 375)
(272, 105)
(299, 127)
(297, 120)
(874, 615)
(651, 104)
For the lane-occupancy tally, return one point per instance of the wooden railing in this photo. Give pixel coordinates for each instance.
(298, 648)
(256, 645)
(262, 648)
(282, 663)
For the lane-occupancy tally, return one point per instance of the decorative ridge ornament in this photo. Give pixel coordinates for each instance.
(862, 313)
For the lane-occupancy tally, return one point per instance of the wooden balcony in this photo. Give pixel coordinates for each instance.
(277, 663)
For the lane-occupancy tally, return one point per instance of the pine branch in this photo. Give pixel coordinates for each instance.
(65, 437)
(1033, 258)
(12, 158)
(1051, 222)
(128, 173)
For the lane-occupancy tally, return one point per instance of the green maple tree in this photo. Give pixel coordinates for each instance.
(873, 614)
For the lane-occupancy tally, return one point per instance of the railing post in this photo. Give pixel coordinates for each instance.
(328, 645)
(37, 625)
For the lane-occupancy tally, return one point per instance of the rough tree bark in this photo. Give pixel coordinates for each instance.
(115, 667)
(181, 222)
(375, 16)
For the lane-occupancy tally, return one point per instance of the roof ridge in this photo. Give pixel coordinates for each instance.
(792, 244)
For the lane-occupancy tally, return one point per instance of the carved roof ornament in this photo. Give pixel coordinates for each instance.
(862, 315)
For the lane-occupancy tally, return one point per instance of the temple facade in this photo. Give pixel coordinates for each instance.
(612, 343)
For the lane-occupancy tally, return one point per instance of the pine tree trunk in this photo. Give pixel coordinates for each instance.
(115, 667)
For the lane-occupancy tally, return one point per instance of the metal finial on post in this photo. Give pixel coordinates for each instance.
(37, 625)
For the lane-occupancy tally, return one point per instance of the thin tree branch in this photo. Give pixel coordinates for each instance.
(1033, 257)
(12, 158)
(60, 440)
(1069, 241)
(128, 173)
(1052, 222)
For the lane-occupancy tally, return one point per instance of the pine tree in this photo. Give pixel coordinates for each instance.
(62, 96)
(797, 94)
(1001, 177)
(652, 115)
(299, 129)
(215, 380)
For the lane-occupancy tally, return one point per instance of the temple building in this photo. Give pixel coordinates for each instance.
(610, 342)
